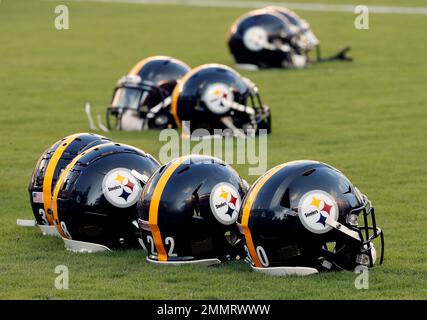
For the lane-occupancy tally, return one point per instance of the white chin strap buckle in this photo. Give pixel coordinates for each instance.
(286, 271)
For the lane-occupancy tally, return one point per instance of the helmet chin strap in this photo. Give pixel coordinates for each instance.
(342, 228)
(141, 177)
(341, 55)
(154, 110)
(238, 133)
(242, 108)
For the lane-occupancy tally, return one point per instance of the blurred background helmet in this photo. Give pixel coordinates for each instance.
(266, 38)
(275, 37)
(141, 100)
(214, 96)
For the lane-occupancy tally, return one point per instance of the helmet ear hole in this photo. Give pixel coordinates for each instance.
(330, 246)
(231, 237)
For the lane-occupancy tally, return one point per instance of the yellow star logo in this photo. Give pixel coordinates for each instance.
(224, 194)
(217, 92)
(120, 178)
(315, 202)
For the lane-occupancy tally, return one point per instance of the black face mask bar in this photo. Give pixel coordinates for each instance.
(341, 258)
(262, 117)
(369, 232)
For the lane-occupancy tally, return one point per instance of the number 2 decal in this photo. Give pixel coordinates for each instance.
(152, 246)
(169, 241)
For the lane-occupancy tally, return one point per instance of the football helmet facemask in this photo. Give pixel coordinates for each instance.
(303, 217)
(214, 96)
(94, 201)
(307, 39)
(188, 210)
(46, 173)
(141, 100)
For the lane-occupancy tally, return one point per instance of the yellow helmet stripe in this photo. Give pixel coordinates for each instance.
(251, 197)
(154, 207)
(174, 106)
(61, 181)
(50, 170)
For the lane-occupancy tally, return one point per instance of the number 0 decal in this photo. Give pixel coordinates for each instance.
(262, 256)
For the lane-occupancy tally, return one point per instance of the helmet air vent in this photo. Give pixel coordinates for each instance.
(308, 172)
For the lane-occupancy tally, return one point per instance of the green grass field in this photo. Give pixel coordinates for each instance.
(367, 118)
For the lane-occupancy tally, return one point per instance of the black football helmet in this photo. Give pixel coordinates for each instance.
(214, 96)
(303, 217)
(46, 173)
(141, 100)
(94, 201)
(187, 212)
(267, 39)
(275, 37)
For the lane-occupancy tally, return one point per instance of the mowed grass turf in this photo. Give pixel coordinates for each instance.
(367, 118)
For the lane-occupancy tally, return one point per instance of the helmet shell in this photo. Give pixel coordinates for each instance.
(268, 27)
(48, 168)
(182, 215)
(194, 99)
(95, 198)
(284, 215)
(149, 84)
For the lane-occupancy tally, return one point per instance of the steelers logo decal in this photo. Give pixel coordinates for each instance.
(314, 208)
(218, 97)
(225, 203)
(121, 188)
(255, 38)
